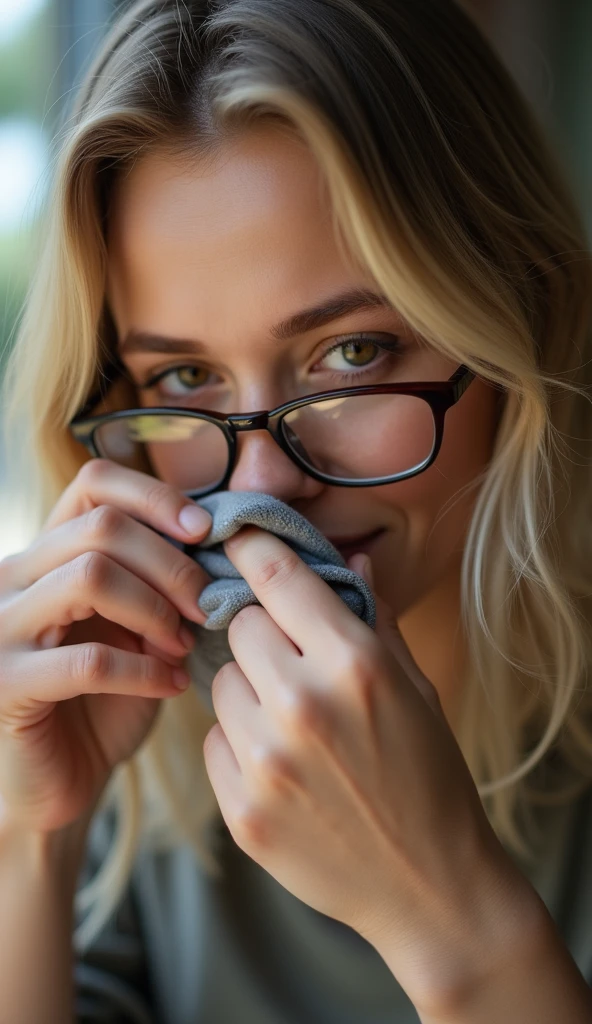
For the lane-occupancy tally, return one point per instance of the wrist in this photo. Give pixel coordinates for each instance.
(520, 935)
(541, 983)
(39, 854)
(495, 919)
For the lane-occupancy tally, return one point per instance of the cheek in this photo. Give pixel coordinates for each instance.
(429, 513)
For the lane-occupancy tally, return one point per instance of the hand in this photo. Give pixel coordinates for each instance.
(90, 638)
(336, 771)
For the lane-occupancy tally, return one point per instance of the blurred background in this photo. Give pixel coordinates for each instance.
(46, 44)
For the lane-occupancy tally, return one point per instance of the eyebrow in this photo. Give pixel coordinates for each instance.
(298, 323)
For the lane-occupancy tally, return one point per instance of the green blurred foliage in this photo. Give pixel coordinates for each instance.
(28, 62)
(16, 254)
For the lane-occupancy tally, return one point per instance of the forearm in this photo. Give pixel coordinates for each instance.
(541, 986)
(38, 875)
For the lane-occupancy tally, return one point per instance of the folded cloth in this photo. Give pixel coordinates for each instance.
(229, 591)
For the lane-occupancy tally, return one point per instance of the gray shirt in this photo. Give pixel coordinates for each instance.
(182, 948)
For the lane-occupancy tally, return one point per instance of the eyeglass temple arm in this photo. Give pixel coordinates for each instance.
(460, 380)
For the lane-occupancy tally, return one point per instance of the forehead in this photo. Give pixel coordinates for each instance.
(250, 223)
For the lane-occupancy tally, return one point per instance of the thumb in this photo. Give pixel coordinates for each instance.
(387, 629)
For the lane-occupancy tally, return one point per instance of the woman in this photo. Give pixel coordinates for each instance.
(307, 195)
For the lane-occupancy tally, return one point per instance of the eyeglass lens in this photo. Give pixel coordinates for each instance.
(349, 438)
(362, 436)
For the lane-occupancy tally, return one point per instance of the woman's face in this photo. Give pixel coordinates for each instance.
(218, 253)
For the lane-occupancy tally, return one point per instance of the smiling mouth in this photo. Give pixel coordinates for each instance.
(348, 546)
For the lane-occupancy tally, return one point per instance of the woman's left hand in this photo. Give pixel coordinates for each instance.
(336, 771)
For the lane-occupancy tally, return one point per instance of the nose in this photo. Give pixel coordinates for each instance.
(261, 465)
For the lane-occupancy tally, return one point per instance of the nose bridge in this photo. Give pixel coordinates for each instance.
(252, 421)
(262, 465)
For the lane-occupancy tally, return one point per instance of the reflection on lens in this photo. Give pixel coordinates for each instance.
(363, 436)
(190, 453)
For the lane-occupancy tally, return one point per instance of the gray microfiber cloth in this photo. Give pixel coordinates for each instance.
(229, 591)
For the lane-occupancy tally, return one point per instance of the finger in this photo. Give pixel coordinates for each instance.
(303, 605)
(246, 731)
(97, 629)
(236, 706)
(102, 482)
(176, 660)
(64, 672)
(225, 776)
(263, 652)
(93, 583)
(387, 629)
(132, 544)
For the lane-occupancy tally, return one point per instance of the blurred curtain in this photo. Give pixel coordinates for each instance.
(547, 45)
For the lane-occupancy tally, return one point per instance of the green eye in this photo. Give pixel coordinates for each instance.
(192, 376)
(359, 352)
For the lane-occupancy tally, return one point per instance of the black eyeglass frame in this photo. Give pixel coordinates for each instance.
(439, 395)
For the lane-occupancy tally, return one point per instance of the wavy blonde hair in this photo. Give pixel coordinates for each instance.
(443, 187)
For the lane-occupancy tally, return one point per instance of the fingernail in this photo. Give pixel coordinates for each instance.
(186, 637)
(194, 519)
(181, 678)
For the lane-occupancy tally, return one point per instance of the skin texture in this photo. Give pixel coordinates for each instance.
(333, 757)
(201, 251)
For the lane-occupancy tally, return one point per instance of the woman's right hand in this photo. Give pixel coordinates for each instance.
(91, 635)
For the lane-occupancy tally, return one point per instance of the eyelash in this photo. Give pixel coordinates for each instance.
(392, 347)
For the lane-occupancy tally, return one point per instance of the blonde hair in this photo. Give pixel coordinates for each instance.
(442, 186)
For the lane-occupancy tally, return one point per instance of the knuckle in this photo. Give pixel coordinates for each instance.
(212, 740)
(250, 827)
(274, 770)
(94, 471)
(358, 674)
(91, 664)
(163, 611)
(184, 575)
(92, 571)
(157, 498)
(274, 572)
(151, 670)
(355, 666)
(302, 712)
(244, 619)
(104, 521)
(224, 672)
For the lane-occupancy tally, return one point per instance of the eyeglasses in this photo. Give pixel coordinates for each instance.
(349, 437)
